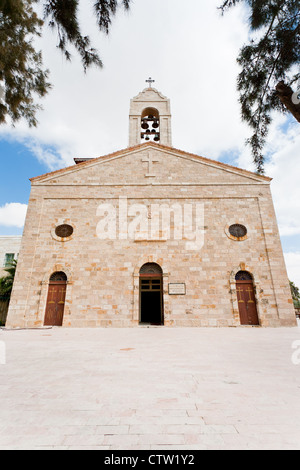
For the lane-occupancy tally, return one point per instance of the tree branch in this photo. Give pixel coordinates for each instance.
(285, 94)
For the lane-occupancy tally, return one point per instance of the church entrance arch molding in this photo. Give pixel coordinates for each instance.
(55, 306)
(246, 299)
(137, 281)
(151, 294)
(43, 293)
(244, 278)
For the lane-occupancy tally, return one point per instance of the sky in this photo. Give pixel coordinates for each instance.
(191, 53)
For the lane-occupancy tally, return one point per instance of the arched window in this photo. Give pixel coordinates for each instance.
(243, 276)
(58, 277)
(151, 268)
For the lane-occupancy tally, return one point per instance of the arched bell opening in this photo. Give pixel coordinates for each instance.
(151, 294)
(150, 125)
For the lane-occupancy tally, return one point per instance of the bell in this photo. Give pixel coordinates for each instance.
(156, 138)
(155, 124)
(148, 131)
(151, 117)
(145, 125)
(147, 138)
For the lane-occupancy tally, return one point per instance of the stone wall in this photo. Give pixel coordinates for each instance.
(103, 275)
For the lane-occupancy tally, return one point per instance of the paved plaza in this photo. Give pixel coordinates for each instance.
(150, 388)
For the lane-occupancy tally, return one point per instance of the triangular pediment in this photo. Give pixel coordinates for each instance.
(150, 164)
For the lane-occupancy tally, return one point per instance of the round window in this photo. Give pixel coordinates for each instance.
(64, 231)
(238, 231)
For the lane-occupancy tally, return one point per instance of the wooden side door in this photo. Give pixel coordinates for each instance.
(247, 303)
(55, 303)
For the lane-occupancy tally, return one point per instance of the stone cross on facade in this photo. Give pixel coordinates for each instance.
(150, 161)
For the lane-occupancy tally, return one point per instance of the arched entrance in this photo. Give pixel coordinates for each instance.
(151, 294)
(56, 299)
(246, 299)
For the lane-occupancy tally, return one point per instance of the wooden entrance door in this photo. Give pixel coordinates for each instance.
(56, 300)
(246, 300)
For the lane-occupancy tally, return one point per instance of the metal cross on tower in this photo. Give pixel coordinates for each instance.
(150, 81)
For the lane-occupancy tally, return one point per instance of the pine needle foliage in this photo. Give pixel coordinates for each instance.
(23, 78)
(271, 57)
(21, 72)
(7, 282)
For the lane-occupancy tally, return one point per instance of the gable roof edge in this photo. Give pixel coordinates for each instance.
(170, 150)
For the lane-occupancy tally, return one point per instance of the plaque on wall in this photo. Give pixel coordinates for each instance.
(177, 289)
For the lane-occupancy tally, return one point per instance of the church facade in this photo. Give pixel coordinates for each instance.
(151, 235)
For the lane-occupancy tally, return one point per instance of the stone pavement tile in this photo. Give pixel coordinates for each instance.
(206, 440)
(125, 441)
(44, 418)
(143, 440)
(178, 448)
(34, 447)
(199, 429)
(226, 417)
(28, 430)
(31, 441)
(79, 430)
(132, 447)
(227, 389)
(162, 420)
(155, 412)
(262, 442)
(143, 429)
(165, 404)
(278, 418)
(47, 448)
(162, 439)
(261, 429)
(112, 430)
(97, 419)
(90, 448)
(273, 415)
(84, 441)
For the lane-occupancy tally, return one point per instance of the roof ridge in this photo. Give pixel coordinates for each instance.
(149, 144)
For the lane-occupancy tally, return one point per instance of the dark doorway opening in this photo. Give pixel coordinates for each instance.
(151, 295)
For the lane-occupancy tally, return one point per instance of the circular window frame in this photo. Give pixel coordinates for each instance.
(232, 237)
(62, 239)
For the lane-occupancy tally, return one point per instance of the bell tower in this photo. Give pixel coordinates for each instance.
(150, 118)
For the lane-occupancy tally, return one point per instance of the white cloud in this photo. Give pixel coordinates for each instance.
(191, 52)
(13, 215)
(283, 165)
(284, 168)
(293, 263)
